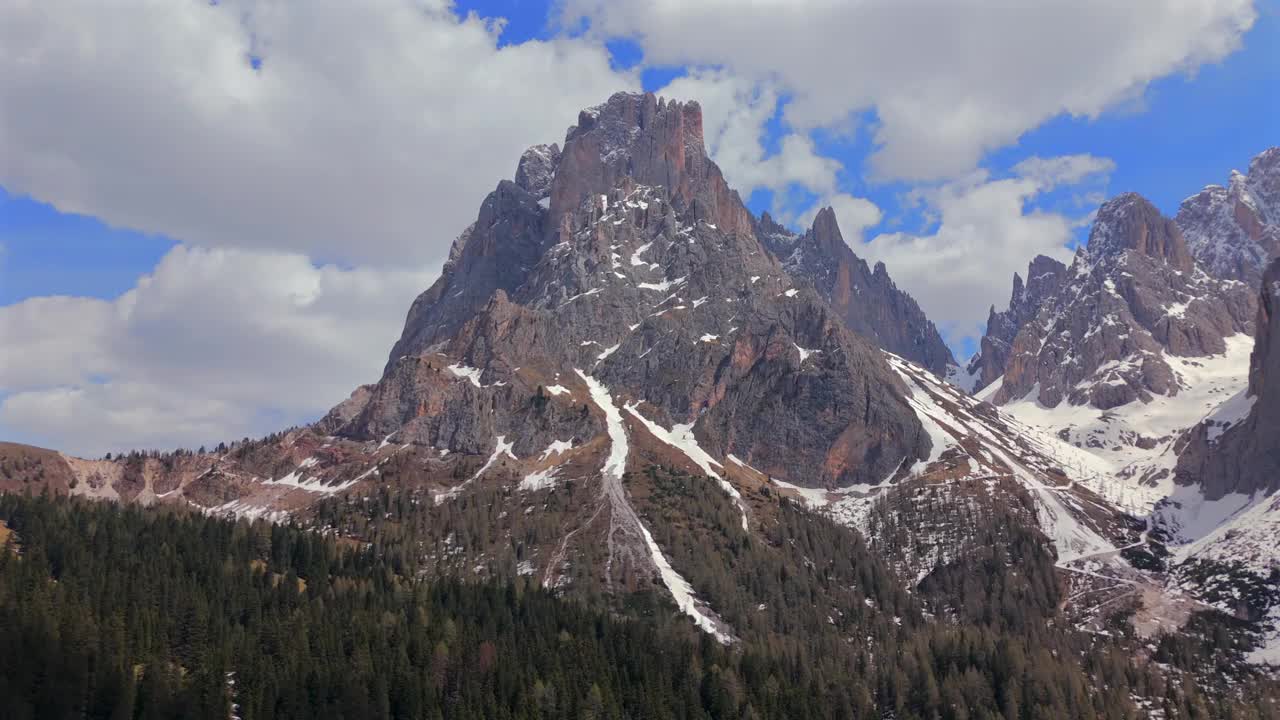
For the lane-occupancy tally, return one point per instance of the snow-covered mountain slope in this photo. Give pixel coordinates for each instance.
(983, 454)
(1131, 447)
(987, 463)
(1200, 463)
(1132, 297)
(1226, 553)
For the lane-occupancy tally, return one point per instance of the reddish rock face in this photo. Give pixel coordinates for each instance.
(651, 142)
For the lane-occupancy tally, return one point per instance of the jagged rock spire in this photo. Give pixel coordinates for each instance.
(653, 142)
(865, 298)
(1234, 231)
(1045, 275)
(1130, 222)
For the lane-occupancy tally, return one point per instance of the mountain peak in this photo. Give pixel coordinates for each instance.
(1265, 162)
(770, 226)
(537, 168)
(1044, 275)
(826, 230)
(627, 111)
(1234, 231)
(865, 297)
(653, 142)
(1130, 222)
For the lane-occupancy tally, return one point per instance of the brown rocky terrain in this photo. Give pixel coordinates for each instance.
(865, 298)
(1132, 295)
(615, 328)
(611, 310)
(1044, 277)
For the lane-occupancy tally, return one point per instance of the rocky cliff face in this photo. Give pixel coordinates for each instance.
(1236, 449)
(865, 298)
(1044, 277)
(1234, 231)
(642, 271)
(1132, 296)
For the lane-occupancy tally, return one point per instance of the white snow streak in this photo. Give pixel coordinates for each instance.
(614, 467)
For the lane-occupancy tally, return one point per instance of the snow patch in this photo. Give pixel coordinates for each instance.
(607, 352)
(1235, 409)
(470, 373)
(663, 286)
(813, 497)
(556, 448)
(681, 438)
(540, 480)
(503, 448)
(804, 353)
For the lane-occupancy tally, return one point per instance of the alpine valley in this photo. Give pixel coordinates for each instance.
(627, 395)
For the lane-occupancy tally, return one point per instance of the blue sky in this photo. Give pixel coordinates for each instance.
(353, 155)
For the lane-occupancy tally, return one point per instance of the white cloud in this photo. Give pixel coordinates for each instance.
(735, 112)
(1049, 173)
(369, 135)
(214, 344)
(987, 231)
(853, 214)
(947, 80)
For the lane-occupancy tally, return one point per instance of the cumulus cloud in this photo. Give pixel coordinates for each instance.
(987, 230)
(214, 344)
(1049, 173)
(735, 112)
(367, 134)
(853, 214)
(947, 81)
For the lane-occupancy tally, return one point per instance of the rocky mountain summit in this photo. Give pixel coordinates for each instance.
(610, 318)
(866, 298)
(1131, 298)
(1044, 277)
(642, 273)
(1234, 230)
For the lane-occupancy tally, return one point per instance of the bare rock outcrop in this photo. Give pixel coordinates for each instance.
(1237, 448)
(1234, 230)
(1044, 277)
(864, 297)
(1131, 296)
